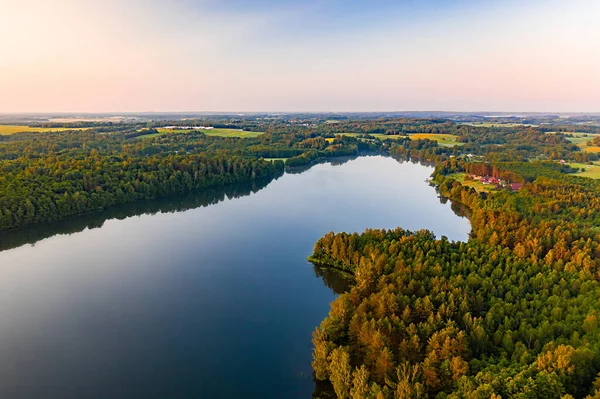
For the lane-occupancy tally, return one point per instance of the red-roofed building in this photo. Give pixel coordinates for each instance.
(515, 186)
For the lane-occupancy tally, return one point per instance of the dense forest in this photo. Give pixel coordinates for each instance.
(510, 313)
(48, 176)
(52, 187)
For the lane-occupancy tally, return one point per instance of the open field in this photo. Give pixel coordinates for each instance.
(12, 129)
(592, 171)
(581, 140)
(446, 140)
(386, 136)
(214, 132)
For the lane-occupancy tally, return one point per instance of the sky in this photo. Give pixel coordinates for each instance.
(299, 55)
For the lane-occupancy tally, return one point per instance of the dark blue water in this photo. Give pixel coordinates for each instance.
(212, 302)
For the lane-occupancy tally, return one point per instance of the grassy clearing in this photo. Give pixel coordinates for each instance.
(386, 136)
(275, 159)
(12, 129)
(446, 140)
(214, 132)
(480, 187)
(579, 138)
(591, 171)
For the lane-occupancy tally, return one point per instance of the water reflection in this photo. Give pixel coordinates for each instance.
(336, 161)
(337, 280)
(94, 220)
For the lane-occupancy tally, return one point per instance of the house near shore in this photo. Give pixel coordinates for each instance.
(489, 180)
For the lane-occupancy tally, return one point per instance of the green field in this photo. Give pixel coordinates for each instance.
(386, 136)
(446, 140)
(578, 138)
(149, 136)
(581, 139)
(12, 129)
(591, 171)
(213, 132)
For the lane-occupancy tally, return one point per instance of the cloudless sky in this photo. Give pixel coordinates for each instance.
(299, 55)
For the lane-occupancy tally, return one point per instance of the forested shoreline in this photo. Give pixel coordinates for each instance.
(47, 176)
(56, 188)
(180, 202)
(511, 313)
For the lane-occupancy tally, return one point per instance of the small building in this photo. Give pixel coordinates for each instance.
(515, 186)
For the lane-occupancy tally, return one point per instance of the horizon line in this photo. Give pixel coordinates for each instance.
(290, 112)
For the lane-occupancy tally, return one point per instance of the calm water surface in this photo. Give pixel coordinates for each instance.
(216, 301)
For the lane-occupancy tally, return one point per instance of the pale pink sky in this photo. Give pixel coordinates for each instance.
(117, 56)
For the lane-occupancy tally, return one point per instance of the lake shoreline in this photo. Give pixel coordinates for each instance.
(192, 288)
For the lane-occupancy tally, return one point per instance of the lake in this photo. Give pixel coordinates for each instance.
(207, 295)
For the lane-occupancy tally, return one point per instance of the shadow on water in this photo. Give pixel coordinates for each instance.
(171, 204)
(459, 209)
(337, 280)
(334, 161)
